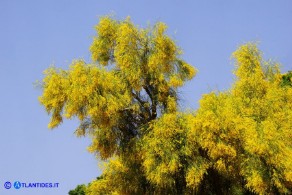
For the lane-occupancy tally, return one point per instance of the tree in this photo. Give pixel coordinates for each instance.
(132, 81)
(237, 142)
(245, 132)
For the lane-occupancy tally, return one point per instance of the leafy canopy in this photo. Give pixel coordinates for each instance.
(237, 142)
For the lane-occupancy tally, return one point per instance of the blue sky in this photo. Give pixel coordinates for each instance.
(36, 34)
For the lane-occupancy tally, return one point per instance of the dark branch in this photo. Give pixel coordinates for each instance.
(153, 102)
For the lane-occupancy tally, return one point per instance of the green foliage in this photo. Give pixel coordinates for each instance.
(79, 190)
(287, 79)
(237, 142)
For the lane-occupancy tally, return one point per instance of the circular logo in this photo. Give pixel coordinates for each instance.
(7, 185)
(17, 185)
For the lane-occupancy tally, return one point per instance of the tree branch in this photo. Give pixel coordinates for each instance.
(153, 103)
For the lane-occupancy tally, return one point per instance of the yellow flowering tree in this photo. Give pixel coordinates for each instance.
(244, 134)
(237, 142)
(131, 81)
